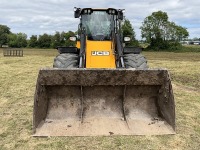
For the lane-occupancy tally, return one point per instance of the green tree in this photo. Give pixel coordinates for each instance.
(154, 26)
(62, 38)
(56, 40)
(17, 40)
(12, 38)
(22, 39)
(176, 33)
(4, 32)
(182, 33)
(161, 33)
(44, 41)
(128, 30)
(33, 41)
(66, 38)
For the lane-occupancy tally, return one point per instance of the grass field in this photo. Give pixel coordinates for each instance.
(184, 48)
(17, 84)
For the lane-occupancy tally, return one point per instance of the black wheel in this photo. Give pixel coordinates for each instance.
(136, 61)
(66, 60)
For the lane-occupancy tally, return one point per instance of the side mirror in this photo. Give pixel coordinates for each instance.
(73, 38)
(120, 15)
(127, 39)
(77, 12)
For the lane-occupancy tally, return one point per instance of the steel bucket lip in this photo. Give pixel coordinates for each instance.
(90, 77)
(103, 69)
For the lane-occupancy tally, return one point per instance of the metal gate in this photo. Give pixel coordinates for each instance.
(12, 52)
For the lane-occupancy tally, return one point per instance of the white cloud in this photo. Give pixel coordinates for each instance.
(47, 16)
(17, 19)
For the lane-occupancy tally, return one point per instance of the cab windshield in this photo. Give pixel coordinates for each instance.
(98, 25)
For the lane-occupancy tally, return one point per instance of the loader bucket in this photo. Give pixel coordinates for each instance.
(90, 102)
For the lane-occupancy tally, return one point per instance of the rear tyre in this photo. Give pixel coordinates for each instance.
(66, 60)
(136, 61)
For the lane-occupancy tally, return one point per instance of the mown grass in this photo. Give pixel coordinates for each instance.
(191, 48)
(17, 84)
(181, 49)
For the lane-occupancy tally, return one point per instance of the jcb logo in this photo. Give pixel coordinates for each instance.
(100, 53)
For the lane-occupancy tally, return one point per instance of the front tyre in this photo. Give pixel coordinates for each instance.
(137, 61)
(66, 60)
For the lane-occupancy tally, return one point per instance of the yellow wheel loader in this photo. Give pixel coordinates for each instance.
(101, 87)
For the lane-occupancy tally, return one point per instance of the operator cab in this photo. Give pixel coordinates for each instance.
(99, 24)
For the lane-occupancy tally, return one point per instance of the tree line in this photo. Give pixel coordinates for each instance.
(19, 40)
(156, 30)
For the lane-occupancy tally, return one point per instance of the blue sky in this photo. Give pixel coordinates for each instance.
(35, 17)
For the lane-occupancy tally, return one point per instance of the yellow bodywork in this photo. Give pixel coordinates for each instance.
(78, 44)
(99, 54)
